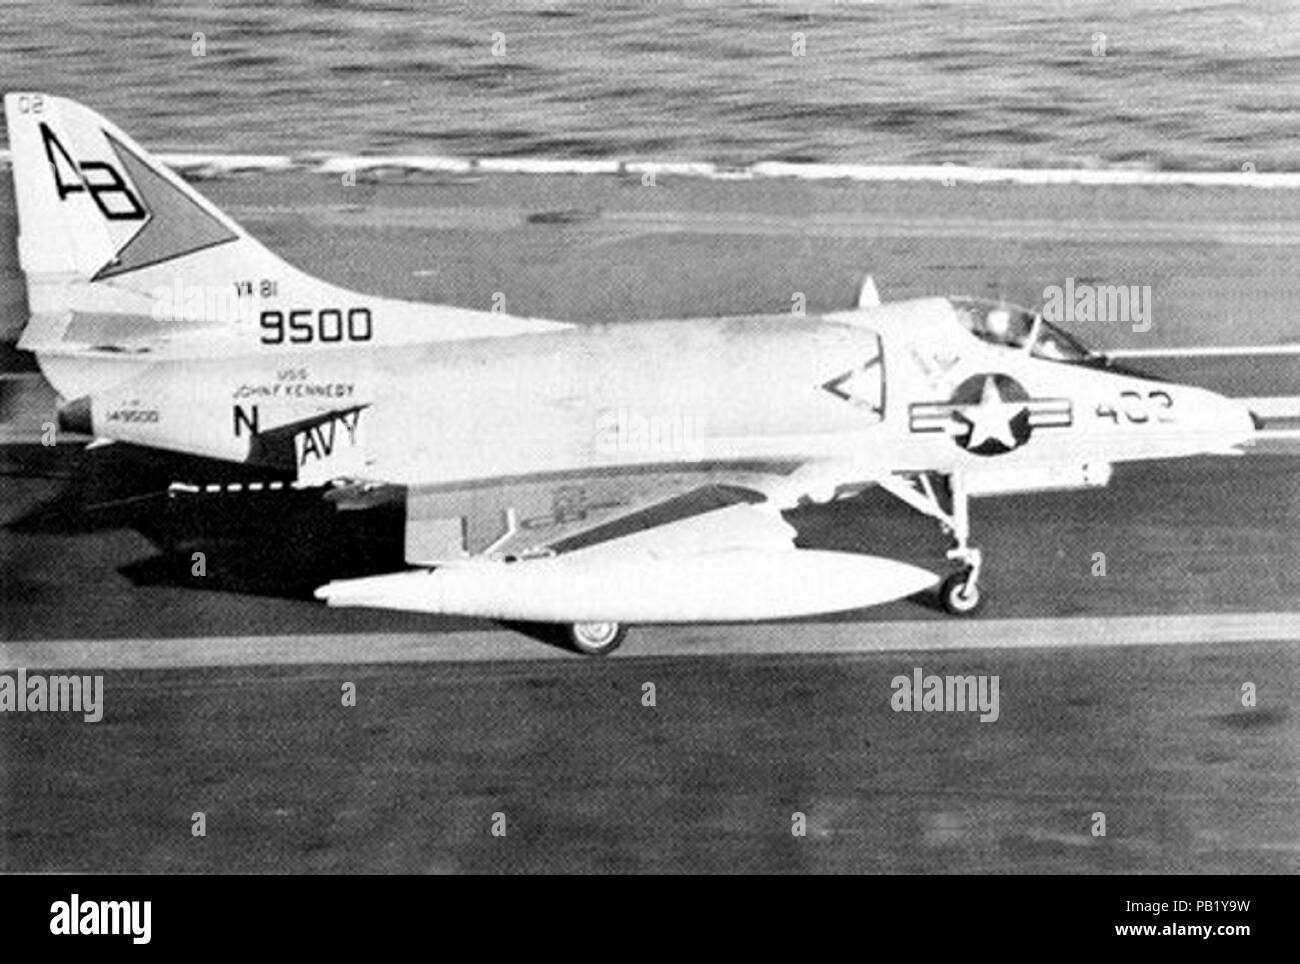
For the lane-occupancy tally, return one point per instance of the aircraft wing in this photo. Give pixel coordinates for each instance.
(561, 513)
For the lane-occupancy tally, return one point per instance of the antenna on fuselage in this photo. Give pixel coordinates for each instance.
(1032, 340)
(868, 296)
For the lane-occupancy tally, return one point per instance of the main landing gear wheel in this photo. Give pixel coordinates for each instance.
(596, 639)
(961, 595)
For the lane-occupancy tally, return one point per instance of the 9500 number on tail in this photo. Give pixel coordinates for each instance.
(323, 326)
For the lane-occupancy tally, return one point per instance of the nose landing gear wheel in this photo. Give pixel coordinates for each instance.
(596, 639)
(960, 594)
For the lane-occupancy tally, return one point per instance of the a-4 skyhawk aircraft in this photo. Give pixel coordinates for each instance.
(590, 476)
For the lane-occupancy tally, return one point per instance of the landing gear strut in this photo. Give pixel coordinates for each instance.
(960, 592)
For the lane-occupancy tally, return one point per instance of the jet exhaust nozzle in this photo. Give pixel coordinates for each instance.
(76, 417)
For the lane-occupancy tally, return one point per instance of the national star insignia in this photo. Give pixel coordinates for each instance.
(991, 419)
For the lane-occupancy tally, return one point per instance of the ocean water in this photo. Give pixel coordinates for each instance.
(1149, 84)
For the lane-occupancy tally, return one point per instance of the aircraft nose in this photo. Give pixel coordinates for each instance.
(1233, 421)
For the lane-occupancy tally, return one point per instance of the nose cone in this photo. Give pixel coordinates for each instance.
(1230, 421)
(76, 417)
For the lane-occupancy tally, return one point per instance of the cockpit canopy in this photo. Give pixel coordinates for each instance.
(1015, 327)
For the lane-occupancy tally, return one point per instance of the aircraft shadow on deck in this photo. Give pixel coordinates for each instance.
(286, 543)
(281, 543)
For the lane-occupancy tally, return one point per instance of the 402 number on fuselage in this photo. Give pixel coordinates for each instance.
(306, 326)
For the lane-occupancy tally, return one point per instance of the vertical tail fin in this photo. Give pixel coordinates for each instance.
(107, 236)
(127, 264)
(92, 204)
